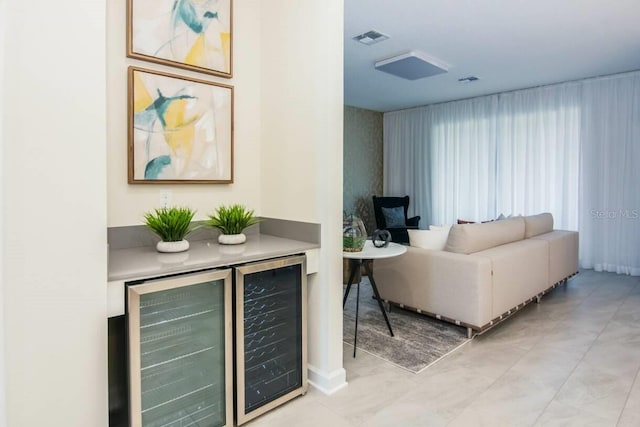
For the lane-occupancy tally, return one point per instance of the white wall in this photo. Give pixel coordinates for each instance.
(54, 205)
(3, 406)
(302, 108)
(288, 141)
(63, 131)
(127, 203)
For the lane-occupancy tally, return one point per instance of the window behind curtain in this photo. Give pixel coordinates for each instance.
(511, 154)
(571, 149)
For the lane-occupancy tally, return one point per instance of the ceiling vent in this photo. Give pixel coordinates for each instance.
(412, 66)
(469, 79)
(371, 37)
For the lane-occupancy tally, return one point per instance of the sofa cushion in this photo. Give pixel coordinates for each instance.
(470, 238)
(428, 239)
(520, 271)
(535, 225)
(563, 254)
(446, 227)
(394, 217)
(455, 286)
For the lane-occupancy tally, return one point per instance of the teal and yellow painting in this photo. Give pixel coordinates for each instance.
(193, 34)
(180, 129)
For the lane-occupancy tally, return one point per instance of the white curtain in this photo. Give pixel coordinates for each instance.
(610, 175)
(568, 149)
(538, 153)
(463, 166)
(406, 160)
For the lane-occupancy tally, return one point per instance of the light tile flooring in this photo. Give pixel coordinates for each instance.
(572, 360)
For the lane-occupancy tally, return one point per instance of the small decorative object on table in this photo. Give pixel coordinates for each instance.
(172, 225)
(231, 221)
(354, 234)
(381, 238)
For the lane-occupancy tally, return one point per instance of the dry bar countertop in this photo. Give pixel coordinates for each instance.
(145, 262)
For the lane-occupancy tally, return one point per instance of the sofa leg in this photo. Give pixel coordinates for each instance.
(469, 333)
(538, 299)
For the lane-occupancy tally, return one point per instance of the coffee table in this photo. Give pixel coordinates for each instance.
(356, 259)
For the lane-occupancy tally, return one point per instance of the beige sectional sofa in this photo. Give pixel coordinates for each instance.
(485, 273)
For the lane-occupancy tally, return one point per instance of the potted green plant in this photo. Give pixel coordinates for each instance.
(231, 221)
(172, 225)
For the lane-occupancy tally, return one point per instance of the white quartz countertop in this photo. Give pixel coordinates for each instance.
(145, 262)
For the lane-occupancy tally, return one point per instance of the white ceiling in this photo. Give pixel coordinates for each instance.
(508, 44)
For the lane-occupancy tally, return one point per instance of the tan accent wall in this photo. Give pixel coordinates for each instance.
(362, 162)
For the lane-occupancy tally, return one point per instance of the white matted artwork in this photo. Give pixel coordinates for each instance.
(191, 34)
(180, 129)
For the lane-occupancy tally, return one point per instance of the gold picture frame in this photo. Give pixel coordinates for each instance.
(180, 129)
(195, 35)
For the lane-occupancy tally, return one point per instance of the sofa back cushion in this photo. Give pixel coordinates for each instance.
(534, 225)
(428, 239)
(470, 238)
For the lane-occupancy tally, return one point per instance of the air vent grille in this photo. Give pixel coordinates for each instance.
(371, 37)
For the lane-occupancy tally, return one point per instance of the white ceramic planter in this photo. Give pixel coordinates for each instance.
(171, 247)
(232, 239)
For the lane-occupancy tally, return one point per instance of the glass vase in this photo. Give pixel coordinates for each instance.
(354, 234)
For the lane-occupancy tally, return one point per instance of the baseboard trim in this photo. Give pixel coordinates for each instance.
(327, 383)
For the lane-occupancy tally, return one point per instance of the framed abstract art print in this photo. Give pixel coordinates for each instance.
(180, 129)
(191, 34)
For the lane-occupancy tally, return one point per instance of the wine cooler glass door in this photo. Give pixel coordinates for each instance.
(180, 351)
(270, 334)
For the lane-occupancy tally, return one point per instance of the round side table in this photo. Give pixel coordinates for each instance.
(356, 260)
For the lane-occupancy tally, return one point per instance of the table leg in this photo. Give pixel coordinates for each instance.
(352, 265)
(355, 335)
(369, 272)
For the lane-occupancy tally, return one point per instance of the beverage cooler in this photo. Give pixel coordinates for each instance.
(183, 332)
(271, 335)
(181, 350)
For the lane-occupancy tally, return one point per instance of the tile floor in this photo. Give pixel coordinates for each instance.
(572, 360)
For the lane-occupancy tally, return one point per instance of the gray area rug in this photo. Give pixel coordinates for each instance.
(418, 340)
